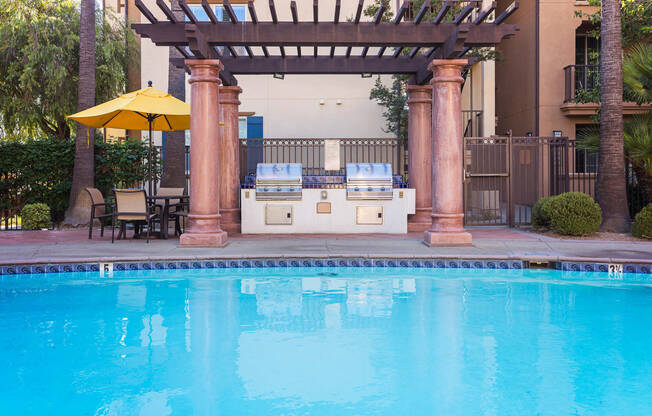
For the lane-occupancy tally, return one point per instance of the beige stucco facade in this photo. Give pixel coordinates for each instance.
(325, 106)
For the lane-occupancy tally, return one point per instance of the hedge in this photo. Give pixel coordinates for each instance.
(35, 217)
(40, 171)
(642, 226)
(541, 212)
(575, 213)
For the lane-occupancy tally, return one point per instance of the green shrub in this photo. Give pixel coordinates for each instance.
(35, 217)
(541, 212)
(642, 226)
(575, 213)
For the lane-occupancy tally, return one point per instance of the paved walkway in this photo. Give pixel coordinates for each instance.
(497, 243)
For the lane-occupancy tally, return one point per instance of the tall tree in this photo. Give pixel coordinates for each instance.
(83, 171)
(174, 167)
(611, 188)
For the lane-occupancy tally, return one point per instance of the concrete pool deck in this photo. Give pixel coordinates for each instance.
(41, 247)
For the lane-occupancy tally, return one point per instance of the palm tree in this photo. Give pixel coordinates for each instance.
(611, 187)
(83, 172)
(174, 167)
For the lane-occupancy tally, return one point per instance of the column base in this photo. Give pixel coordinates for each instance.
(198, 240)
(437, 239)
(231, 228)
(418, 226)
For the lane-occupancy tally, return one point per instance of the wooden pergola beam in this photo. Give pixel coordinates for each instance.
(345, 34)
(320, 65)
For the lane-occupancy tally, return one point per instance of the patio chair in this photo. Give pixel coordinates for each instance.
(131, 206)
(176, 206)
(98, 211)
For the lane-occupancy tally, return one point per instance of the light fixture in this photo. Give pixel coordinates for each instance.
(278, 75)
(338, 102)
(556, 133)
(322, 102)
(366, 75)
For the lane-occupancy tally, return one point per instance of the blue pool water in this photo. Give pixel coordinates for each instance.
(326, 342)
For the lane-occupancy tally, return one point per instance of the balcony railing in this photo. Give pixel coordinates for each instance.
(472, 123)
(580, 78)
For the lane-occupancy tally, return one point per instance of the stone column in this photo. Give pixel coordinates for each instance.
(204, 216)
(229, 159)
(447, 159)
(420, 154)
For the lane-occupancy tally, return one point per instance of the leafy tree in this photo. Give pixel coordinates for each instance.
(39, 63)
(636, 21)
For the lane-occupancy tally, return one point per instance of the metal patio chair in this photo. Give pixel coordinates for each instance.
(131, 206)
(98, 211)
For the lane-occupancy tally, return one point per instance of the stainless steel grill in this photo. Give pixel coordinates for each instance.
(369, 181)
(278, 182)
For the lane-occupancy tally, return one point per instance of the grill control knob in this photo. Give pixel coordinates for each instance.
(265, 189)
(278, 189)
(382, 189)
(370, 189)
(356, 189)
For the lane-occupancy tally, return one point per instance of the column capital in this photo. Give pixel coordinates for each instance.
(447, 70)
(229, 94)
(204, 70)
(419, 94)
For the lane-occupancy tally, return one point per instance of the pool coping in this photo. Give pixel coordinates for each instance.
(95, 264)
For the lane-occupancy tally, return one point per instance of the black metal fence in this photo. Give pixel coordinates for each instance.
(310, 153)
(505, 176)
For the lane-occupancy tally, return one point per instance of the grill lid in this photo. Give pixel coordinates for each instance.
(365, 172)
(278, 173)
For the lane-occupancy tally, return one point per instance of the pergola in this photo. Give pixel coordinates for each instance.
(430, 52)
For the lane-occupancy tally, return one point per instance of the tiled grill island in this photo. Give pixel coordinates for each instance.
(326, 206)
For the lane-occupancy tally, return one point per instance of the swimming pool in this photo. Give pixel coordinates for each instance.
(326, 341)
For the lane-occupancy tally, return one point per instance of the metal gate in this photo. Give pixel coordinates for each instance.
(504, 176)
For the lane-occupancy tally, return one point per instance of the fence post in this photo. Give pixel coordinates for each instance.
(510, 205)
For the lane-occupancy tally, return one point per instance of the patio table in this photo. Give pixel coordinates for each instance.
(165, 212)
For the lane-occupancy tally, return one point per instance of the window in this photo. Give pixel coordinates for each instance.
(585, 161)
(222, 16)
(587, 59)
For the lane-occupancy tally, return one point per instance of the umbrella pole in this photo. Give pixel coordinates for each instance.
(149, 159)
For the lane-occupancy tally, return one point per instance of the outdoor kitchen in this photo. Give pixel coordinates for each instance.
(367, 198)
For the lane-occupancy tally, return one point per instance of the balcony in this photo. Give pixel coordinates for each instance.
(581, 84)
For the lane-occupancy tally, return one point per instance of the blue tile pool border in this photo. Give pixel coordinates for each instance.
(257, 263)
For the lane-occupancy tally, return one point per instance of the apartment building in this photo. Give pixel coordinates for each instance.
(304, 106)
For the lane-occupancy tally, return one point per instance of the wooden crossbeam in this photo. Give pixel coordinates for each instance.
(186, 10)
(401, 12)
(365, 50)
(464, 13)
(327, 34)
(321, 65)
(314, 53)
(182, 51)
(315, 11)
(265, 52)
(442, 13)
(381, 51)
(229, 10)
(209, 11)
(232, 51)
(252, 12)
(249, 51)
(338, 5)
(485, 13)
(282, 49)
(166, 11)
(508, 12)
(379, 14)
(397, 52)
(295, 13)
(332, 52)
(414, 52)
(358, 12)
(421, 13)
(145, 11)
(299, 51)
(272, 10)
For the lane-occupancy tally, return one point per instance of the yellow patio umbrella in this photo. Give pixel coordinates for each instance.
(146, 109)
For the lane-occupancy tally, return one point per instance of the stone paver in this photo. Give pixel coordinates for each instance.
(73, 246)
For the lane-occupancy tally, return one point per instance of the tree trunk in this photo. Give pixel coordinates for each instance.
(612, 195)
(132, 15)
(174, 167)
(83, 171)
